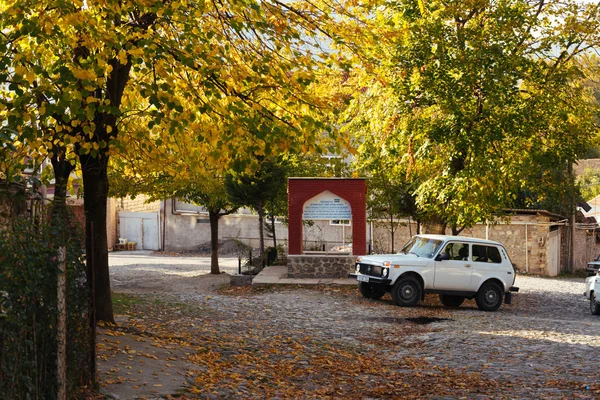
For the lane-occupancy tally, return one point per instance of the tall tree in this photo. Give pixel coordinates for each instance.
(209, 193)
(478, 96)
(255, 190)
(96, 69)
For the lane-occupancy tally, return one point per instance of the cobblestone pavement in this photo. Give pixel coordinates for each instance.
(544, 345)
(547, 335)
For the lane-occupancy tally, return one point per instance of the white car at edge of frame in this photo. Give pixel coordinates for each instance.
(592, 293)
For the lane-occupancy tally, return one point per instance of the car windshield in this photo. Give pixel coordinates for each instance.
(421, 247)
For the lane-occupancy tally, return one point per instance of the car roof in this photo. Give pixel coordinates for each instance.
(461, 238)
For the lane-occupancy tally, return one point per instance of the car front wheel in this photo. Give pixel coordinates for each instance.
(594, 306)
(489, 297)
(371, 290)
(406, 292)
(451, 301)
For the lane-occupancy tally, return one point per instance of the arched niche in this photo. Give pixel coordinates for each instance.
(350, 191)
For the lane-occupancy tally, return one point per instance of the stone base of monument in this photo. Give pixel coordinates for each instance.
(320, 265)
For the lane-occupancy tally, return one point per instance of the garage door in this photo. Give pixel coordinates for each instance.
(140, 227)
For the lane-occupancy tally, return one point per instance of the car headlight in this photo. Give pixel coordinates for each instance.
(385, 272)
(357, 268)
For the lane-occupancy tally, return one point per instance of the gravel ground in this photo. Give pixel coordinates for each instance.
(147, 272)
(544, 345)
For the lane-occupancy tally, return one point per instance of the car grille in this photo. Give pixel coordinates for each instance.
(372, 270)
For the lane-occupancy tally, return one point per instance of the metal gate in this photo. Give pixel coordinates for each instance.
(140, 227)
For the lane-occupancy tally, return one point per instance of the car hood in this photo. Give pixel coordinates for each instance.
(403, 259)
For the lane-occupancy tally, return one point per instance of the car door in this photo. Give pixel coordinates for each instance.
(487, 262)
(453, 268)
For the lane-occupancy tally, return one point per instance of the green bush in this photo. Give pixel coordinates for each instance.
(28, 310)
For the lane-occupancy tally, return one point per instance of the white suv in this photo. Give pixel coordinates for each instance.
(592, 293)
(454, 267)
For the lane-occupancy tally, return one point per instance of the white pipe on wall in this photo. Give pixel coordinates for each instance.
(526, 249)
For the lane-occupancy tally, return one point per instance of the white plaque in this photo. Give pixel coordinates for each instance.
(327, 206)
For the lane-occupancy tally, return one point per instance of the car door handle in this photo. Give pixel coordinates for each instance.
(467, 265)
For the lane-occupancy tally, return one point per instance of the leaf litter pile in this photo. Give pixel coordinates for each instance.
(249, 357)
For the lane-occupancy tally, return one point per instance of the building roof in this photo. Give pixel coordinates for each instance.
(534, 211)
(594, 208)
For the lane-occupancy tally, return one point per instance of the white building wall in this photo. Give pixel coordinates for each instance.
(188, 227)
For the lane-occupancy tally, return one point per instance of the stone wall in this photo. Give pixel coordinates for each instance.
(319, 266)
(382, 236)
(525, 237)
(586, 247)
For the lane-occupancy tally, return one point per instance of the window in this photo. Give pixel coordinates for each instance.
(457, 251)
(340, 222)
(488, 254)
(422, 247)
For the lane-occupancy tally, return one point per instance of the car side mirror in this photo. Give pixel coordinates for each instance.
(442, 257)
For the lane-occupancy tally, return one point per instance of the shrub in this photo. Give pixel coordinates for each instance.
(28, 310)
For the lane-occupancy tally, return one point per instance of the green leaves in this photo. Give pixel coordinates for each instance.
(473, 100)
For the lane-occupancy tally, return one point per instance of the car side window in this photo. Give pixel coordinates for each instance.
(489, 254)
(457, 251)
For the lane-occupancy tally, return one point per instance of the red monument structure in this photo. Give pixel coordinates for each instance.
(325, 199)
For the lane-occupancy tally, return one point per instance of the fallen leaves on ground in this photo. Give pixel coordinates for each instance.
(248, 358)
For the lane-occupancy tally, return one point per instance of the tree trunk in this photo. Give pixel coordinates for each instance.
(456, 230)
(435, 225)
(393, 233)
(95, 196)
(61, 325)
(62, 170)
(214, 241)
(273, 229)
(261, 217)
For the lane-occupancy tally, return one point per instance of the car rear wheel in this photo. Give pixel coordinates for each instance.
(489, 297)
(451, 301)
(406, 292)
(371, 290)
(594, 306)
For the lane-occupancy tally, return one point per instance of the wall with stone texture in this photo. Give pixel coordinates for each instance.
(587, 247)
(319, 266)
(525, 239)
(139, 204)
(382, 236)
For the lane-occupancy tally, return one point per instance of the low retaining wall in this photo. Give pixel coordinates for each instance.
(319, 266)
